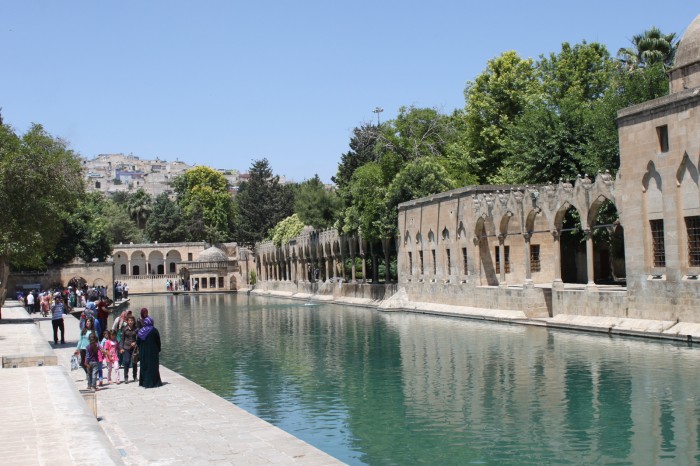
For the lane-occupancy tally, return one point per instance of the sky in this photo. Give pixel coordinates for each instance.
(223, 83)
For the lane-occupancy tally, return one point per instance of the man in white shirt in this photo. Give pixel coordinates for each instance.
(30, 302)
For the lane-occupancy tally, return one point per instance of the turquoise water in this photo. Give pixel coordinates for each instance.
(398, 389)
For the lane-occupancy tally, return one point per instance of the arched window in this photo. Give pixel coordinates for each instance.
(136, 270)
(161, 269)
(172, 267)
(122, 269)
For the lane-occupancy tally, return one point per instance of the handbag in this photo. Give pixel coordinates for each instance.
(135, 355)
(74, 362)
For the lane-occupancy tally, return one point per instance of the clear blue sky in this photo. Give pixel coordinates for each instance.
(223, 83)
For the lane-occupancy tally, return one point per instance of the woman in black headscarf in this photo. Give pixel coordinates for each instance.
(148, 341)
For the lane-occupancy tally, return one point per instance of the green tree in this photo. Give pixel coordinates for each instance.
(140, 206)
(363, 149)
(287, 229)
(652, 47)
(494, 100)
(39, 178)
(315, 205)
(207, 206)
(165, 222)
(558, 135)
(368, 214)
(261, 203)
(419, 178)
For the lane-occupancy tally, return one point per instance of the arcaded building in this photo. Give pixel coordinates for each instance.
(624, 246)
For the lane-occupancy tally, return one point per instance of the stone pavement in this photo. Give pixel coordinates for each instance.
(178, 423)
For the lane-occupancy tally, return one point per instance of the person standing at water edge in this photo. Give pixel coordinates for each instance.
(126, 348)
(149, 347)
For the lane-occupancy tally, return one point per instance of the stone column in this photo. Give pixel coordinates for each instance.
(352, 267)
(528, 266)
(502, 260)
(557, 283)
(364, 268)
(588, 234)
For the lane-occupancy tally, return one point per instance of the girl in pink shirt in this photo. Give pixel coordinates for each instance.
(111, 357)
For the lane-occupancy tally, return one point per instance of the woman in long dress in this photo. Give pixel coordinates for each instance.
(148, 342)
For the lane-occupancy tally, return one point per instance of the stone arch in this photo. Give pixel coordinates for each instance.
(172, 258)
(461, 231)
(653, 212)
(407, 238)
(77, 282)
(138, 262)
(445, 234)
(688, 202)
(431, 236)
(503, 223)
(608, 241)
(530, 219)
(571, 243)
(156, 263)
(484, 252)
(121, 262)
(233, 283)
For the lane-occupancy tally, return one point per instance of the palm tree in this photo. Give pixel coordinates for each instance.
(140, 207)
(650, 48)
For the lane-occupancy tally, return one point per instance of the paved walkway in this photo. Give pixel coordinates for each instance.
(179, 423)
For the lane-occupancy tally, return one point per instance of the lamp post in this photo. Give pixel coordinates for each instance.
(378, 110)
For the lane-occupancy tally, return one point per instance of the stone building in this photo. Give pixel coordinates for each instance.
(147, 267)
(553, 249)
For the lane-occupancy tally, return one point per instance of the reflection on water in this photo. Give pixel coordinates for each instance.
(392, 388)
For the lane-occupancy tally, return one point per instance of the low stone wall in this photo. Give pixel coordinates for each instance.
(357, 293)
(533, 301)
(599, 303)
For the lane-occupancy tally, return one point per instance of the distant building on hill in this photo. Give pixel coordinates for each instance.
(112, 173)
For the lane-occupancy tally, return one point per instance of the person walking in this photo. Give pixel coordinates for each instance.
(126, 348)
(92, 352)
(84, 341)
(57, 311)
(148, 341)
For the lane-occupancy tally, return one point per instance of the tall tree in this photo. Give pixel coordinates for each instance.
(363, 145)
(165, 222)
(315, 205)
(39, 177)
(649, 48)
(261, 203)
(494, 100)
(140, 207)
(207, 206)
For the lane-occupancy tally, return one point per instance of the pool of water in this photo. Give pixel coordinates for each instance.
(394, 388)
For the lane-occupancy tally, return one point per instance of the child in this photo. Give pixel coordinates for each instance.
(102, 357)
(110, 347)
(91, 360)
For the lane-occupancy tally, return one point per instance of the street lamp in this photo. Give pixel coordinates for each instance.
(378, 110)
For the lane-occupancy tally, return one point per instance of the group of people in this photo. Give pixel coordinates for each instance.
(121, 290)
(122, 347)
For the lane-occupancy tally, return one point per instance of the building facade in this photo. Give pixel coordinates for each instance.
(627, 246)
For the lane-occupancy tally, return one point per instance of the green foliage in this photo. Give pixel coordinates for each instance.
(287, 229)
(494, 100)
(315, 205)
(368, 213)
(165, 222)
(419, 178)
(363, 149)
(206, 205)
(139, 206)
(39, 178)
(261, 203)
(253, 277)
(650, 48)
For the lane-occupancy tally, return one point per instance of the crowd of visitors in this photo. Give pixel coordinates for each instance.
(120, 348)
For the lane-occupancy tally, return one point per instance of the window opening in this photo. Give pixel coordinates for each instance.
(535, 265)
(464, 261)
(662, 133)
(692, 226)
(657, 239)
(498, 259)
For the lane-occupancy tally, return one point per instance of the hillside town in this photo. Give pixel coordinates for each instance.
(113, 173)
